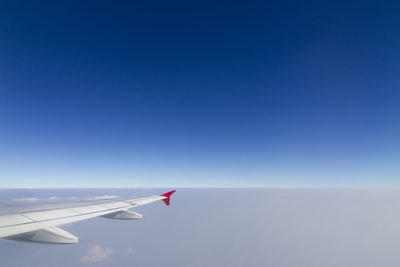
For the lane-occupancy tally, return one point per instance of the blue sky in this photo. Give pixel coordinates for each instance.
(199, 94)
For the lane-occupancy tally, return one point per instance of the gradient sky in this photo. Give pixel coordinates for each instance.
(199, 93)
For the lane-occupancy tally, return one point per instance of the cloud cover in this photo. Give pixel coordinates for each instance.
(238, 228)
(97, 253)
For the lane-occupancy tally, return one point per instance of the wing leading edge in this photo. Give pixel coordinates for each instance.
(42, 225)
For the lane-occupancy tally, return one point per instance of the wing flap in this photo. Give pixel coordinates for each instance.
(88, 209)
(13, 219)
(50, 214)
(115, 205)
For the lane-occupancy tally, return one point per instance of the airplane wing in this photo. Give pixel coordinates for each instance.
(42, 225)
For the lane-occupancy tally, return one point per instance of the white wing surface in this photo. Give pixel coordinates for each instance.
(42, 225)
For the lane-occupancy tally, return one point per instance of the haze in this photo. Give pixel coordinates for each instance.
(229, 227)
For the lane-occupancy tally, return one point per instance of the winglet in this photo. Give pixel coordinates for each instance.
(167, 197)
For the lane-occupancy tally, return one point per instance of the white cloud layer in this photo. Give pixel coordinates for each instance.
(27, 199)
(104, 197)
(230, 227)
(97, 253)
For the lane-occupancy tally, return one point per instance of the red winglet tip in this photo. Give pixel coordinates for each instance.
(167, 195)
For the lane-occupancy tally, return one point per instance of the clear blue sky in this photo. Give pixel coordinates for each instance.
(199, 93)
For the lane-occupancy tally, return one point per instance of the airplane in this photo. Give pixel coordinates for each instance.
(42, 225)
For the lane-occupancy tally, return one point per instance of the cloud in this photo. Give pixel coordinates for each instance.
(131, 250)
(94, 198)
(105, 197)
(27, 199)
(35, 199)
(97, 253)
